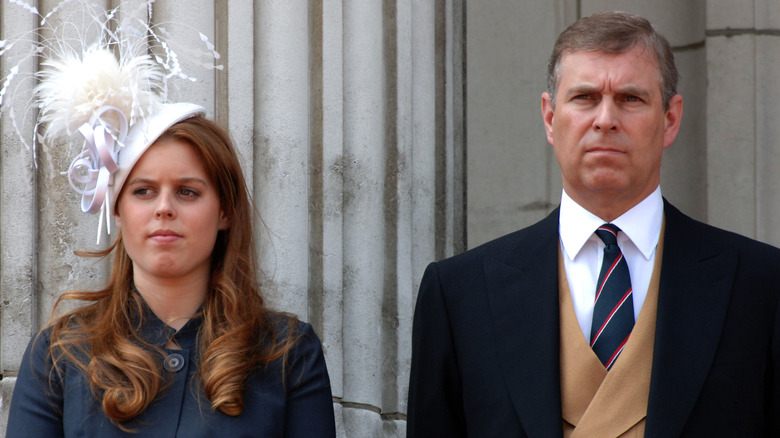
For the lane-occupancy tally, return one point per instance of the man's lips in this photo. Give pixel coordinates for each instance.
(605, 149)
(604, 152)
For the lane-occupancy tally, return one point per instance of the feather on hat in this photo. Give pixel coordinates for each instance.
(111, 92)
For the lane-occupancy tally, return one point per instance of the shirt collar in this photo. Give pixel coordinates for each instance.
(641, 224)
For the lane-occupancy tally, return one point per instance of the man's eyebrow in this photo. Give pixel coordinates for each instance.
(633, 90)
(582, 89)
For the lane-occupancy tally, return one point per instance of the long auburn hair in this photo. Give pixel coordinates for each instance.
(238, 333)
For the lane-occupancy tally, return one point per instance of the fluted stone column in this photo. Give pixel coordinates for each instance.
(281, 147)
(365, 155)
(18, 210)
(359, 138)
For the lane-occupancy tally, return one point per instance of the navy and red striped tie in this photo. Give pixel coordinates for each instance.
(613, 313)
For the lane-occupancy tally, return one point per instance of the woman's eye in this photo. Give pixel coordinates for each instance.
(141, 191)
(188, 193)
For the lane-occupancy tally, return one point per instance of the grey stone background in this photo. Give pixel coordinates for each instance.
(379, 135)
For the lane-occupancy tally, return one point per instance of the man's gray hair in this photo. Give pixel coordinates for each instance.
(614, 33)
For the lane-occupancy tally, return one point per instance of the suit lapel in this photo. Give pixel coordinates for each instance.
(693, 300)
(523, 296)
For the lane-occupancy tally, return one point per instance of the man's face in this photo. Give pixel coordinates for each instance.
(609, 128)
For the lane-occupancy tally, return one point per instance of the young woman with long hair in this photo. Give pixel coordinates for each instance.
(179, 343)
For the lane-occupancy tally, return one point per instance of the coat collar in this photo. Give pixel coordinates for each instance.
(153, 331)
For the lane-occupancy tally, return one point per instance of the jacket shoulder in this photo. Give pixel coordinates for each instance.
(681, 226)
(531, 238)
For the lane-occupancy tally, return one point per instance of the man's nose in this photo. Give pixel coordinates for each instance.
(606, 119)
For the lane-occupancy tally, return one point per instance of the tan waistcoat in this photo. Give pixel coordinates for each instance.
(597, 403)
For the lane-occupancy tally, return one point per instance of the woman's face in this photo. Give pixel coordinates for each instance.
(169, 213)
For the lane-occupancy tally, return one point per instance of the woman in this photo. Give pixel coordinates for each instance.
(179, 343)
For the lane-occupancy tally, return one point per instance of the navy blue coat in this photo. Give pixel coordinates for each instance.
(295, 402)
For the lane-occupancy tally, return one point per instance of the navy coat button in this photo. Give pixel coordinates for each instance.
(173, 362)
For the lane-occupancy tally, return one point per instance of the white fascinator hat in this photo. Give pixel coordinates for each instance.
(110, 153)
(122, 117)
(144, 134)
(111, 94)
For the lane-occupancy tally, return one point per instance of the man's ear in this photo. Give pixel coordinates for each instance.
(548, 112)
(673, 117)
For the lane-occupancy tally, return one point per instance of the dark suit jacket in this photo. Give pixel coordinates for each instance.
(485, 345)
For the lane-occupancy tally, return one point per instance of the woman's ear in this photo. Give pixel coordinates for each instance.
(224, 221)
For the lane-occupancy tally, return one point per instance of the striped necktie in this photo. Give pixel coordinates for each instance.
(613, 313)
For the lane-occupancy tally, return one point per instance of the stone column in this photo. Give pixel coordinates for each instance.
(18, 211)
(358, 149)
(281, 159)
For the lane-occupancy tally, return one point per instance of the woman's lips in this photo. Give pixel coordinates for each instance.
(164, 236)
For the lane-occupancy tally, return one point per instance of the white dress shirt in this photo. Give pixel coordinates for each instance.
(583, 250)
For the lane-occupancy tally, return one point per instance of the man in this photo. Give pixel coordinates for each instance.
(512, 339)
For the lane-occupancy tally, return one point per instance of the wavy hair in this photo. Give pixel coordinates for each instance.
(238, 333)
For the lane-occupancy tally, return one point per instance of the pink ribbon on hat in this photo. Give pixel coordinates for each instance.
(90, 172)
